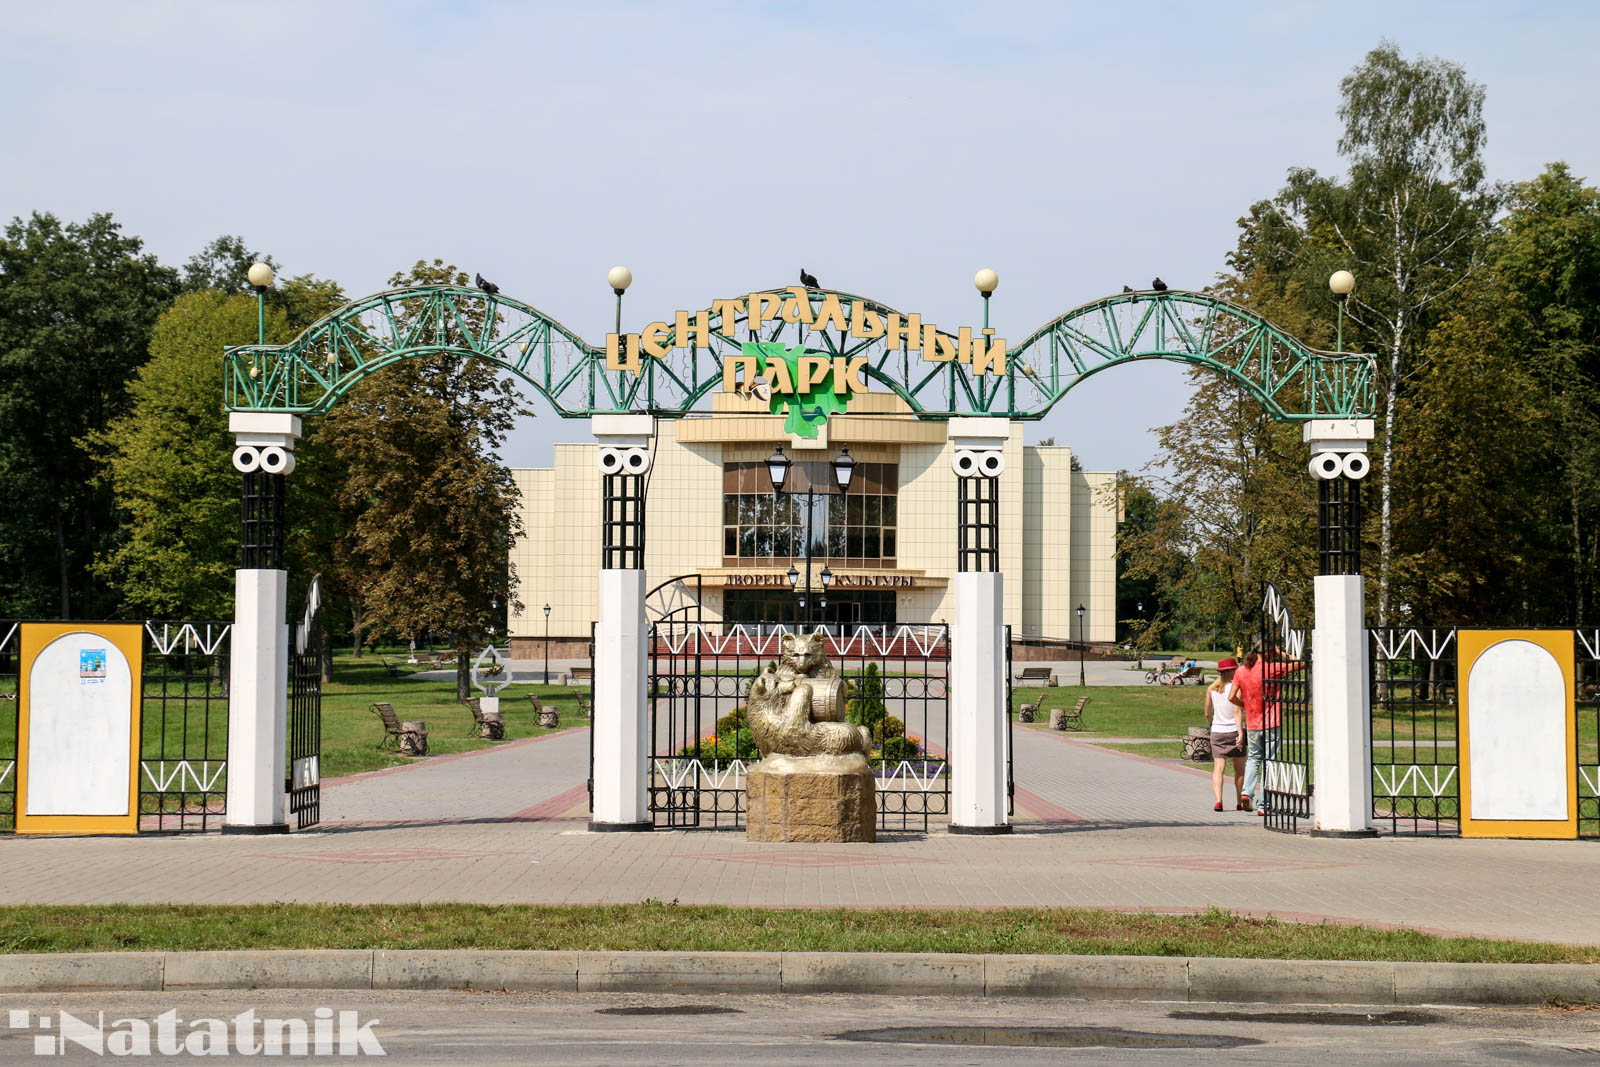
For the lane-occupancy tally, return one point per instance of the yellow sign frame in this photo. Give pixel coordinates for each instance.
(34, 638)
(1470, 645)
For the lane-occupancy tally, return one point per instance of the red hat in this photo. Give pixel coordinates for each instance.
(1227, 664)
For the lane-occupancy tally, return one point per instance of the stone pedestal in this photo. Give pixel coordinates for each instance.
(811, 798)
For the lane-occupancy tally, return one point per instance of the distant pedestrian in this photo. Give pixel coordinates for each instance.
(1227, 734)
(1263, 719)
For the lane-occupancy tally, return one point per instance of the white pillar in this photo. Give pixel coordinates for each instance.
(258, 702)
(978, 721)
(1341, 714)
(258, 676)
(620, 725)
(621, 729)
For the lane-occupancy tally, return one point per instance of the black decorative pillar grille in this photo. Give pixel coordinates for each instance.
(261, 527)
(622, 522)
(978, 524)
(1339, 525)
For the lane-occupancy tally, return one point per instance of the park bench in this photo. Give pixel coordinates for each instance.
(584, 707)
(408, 738)
(487, 725)
(582, 673)
(1062, 719)
(1197, 745)
(546, 715)
(1037, 676)
(391, 669)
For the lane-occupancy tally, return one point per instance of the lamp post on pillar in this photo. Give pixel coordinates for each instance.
(547, 644)
(259, 657)
(979, 718)
(1342, 283)
(260, 277)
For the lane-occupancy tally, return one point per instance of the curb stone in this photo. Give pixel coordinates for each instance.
(1157, 978)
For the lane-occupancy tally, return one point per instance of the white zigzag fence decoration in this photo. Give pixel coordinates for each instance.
(930, 642)
(186, 638)
(1589, 640)
(1292, 641)
(1589, 776)
(1285, 777)
(694, 774)
(161, 774)
(1412, 779)
(5, 642)
(5, 771)
(1404, 645)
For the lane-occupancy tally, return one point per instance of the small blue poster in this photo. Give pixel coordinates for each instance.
(91, 666)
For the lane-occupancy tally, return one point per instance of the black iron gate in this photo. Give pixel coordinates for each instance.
(1286, 691)
(700, 743)
(305, 712)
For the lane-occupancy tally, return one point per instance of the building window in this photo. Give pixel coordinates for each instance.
(858, 529)
(751, 607)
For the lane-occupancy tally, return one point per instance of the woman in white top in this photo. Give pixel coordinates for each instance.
(1227, 734)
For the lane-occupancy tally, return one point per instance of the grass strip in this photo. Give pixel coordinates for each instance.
(653, 925)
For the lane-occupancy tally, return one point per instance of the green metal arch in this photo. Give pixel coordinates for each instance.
(311, 373)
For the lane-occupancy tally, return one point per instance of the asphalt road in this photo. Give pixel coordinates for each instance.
(487, 1028)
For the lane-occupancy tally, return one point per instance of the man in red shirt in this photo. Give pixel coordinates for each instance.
(1262, 719)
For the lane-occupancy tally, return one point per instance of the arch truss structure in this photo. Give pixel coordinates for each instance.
(309, 374)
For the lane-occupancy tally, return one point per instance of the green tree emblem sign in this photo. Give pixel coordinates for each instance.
(806, 410)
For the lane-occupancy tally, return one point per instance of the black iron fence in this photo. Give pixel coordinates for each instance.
(183, 745)
(10, 656)
(1416, 766)
(700, 743)
(1588, 707)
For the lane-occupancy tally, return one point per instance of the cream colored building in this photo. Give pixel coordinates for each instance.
(890, 543)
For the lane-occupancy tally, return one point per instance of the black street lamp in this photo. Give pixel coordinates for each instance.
(547, 644)
(844, 470)
(1139, 607)
(1080, 646)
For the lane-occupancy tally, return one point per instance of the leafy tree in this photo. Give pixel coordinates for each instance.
(78, 303)
(167, 463)
(1411, 220)
(223, 265)
(436, 510)
(1546, 262)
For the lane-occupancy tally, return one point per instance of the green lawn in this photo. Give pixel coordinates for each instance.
(1122, 710)
(670, 927)
(351, 732)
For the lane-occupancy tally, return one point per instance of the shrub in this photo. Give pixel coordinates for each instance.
(896, 749)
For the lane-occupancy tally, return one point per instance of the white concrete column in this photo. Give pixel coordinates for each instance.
(979, 733)
(621, 729)
(257, 702)
(1341, 713)
(621, 726)
(978, 721)
(258, 676)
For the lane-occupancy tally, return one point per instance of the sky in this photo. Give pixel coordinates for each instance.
(890, 149)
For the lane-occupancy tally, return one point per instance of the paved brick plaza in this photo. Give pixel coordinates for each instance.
(1094, 828)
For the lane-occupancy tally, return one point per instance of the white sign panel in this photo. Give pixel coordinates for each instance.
(1517, 734)
(80, 692)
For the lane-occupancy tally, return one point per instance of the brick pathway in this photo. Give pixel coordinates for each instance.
(1094, 828)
